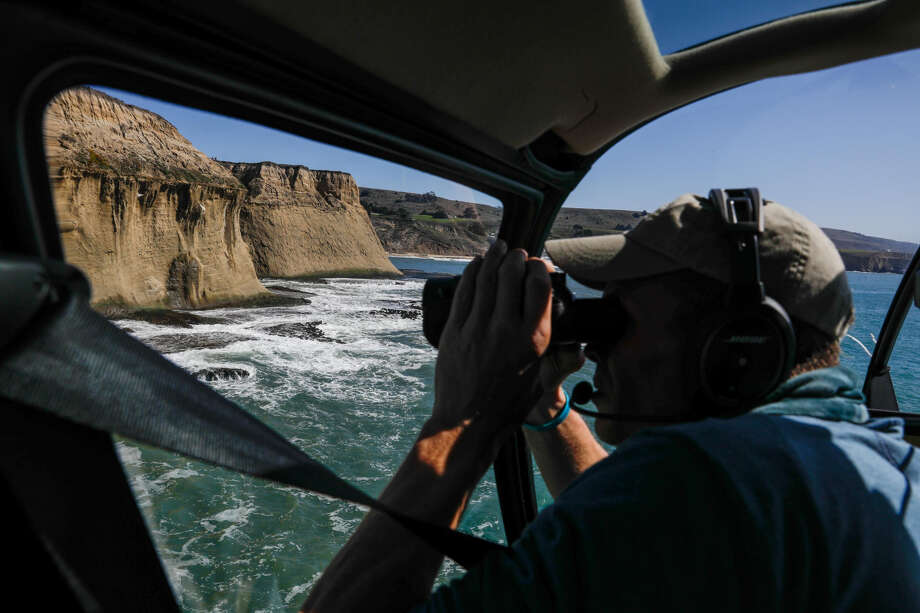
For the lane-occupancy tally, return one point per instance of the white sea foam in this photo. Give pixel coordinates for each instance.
(373, 364)
(239, 515)
(303, 588)
(343, 525)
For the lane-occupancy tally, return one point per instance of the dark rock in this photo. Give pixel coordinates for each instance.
(161, 317)
(414, 273)
(268, 299)
(308, 331)
(403, 313)
(172, 343)
(221, 373)
(182, 283)
(281, 288)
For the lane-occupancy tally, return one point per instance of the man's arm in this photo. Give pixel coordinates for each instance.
(567, 450)
(384, 567)
(485, 381)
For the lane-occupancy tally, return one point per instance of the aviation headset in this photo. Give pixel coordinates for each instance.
(748, 346)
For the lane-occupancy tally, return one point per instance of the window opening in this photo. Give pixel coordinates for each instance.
(293, 291)
(905, 362)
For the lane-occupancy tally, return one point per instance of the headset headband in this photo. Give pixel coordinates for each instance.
(742, 216)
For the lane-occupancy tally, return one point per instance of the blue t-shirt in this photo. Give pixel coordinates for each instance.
(802, 505)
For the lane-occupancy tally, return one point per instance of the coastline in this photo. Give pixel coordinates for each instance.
(424, 256)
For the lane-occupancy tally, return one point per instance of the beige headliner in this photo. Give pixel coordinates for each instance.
(588, 69)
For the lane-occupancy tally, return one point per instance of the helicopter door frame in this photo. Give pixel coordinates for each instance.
(878, 387)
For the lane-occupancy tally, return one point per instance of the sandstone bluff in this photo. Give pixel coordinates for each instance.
(153, 221)
(315, 214)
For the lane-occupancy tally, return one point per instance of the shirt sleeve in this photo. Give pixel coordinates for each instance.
(649, 528)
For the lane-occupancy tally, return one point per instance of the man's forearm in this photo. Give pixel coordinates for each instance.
(564, 452)
(384, 567)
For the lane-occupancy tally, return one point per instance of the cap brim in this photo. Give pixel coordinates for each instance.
(597, 260)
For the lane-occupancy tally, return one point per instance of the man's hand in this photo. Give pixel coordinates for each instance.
(498, 328)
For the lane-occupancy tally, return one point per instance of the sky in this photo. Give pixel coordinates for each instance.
(840, 145)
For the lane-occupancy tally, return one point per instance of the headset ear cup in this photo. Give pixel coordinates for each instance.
(746, 354)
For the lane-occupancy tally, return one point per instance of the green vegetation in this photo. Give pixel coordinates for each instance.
(97, 160)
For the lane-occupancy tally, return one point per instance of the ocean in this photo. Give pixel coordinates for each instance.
(351, 389)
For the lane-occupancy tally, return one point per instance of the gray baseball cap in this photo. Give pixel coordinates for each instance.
(800, 267)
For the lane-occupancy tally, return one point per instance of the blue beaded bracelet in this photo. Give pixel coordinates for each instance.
(555, 421)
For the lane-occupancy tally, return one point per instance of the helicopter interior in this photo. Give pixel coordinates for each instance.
(513, 102)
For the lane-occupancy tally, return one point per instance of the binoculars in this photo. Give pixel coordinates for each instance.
(584, 320)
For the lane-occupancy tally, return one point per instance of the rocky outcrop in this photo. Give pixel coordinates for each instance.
(878, 261)
(149, 218)
(307, 223)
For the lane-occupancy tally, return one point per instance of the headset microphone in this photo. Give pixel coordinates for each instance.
(583, 392)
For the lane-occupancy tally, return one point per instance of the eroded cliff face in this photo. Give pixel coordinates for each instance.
(307, 223)
(879, 261)
(149, 218)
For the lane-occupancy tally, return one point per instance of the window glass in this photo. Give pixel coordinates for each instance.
(293, 291)
(839, 146)
(905, 363)
(678, 25)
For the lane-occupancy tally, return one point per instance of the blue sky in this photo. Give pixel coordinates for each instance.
(839, 145)
(679, 24)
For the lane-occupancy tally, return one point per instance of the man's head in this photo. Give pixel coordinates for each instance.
(671, 273)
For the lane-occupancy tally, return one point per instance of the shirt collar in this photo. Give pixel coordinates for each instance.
(827, 393)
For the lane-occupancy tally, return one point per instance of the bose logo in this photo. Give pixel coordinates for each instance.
(748, 340)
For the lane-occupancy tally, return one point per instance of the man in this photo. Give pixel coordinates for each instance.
(801, 503)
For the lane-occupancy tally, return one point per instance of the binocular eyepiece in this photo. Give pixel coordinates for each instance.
(584, 320)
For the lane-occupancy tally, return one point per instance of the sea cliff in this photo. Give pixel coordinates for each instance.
(876, 261)
(154, 222)
(150, 219)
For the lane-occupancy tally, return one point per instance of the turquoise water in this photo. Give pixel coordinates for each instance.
(872, 293)
(230, 542)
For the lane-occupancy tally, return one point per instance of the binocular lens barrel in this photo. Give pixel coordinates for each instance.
(586, 320)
